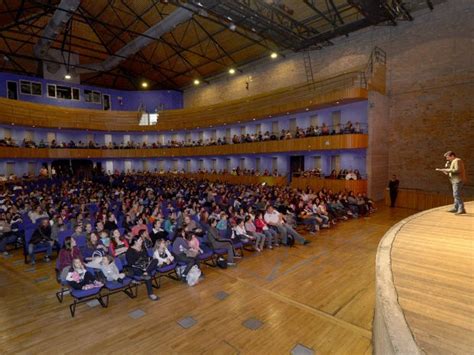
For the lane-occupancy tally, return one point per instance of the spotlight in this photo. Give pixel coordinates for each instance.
(231, 71)
(196, 82)
(144, 84)
(67, 76)
(274, 55)
(232, 26)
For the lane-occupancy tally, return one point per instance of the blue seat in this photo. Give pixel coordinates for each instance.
(63, 235)
(40, 248)
(81, 296)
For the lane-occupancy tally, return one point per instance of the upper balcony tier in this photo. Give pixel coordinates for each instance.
(343, 88)
(342, 141)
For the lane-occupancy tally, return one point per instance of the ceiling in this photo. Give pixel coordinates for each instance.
(220, 34)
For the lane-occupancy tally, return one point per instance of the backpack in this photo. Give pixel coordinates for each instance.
(222, 263)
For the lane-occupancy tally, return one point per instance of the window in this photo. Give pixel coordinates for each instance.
(63, 92)
(51, 90)
(30, 88)
(92, 96)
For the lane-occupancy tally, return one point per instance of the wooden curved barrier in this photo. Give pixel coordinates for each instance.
(421, 200)
(343, 88)
(345, 141)
(357, 186)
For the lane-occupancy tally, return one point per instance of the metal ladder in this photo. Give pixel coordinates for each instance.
(308, 67)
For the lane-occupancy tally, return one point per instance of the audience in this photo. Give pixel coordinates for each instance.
(135, 217)
(311, 131)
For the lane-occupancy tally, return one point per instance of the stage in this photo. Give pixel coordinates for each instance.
(425, 284)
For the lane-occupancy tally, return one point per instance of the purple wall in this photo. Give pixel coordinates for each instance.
(131, 100)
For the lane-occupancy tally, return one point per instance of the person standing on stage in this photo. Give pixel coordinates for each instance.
(457, 175)
(393, 187)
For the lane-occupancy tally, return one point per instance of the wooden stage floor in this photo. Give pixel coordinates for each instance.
(321, 296)
(433, 273)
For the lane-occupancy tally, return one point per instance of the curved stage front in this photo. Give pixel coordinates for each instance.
(425, 285)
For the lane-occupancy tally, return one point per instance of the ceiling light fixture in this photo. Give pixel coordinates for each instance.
(196, 82)
(274, 55)
(231, 71)
(144, 84)
(67, 76)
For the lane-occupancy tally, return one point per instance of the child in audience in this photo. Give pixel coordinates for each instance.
(79, 278)
(162, 254)
(107, 266)
(252, 230)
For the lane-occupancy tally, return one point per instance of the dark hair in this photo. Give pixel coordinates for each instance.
(188, 235)
(449, 153)
(67, 243)
(211, 220)
(247, 218)
(134, 241)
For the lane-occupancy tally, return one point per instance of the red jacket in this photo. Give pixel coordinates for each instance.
(66, 257)
(259, 224)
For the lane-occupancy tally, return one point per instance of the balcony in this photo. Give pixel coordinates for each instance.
(334, 142)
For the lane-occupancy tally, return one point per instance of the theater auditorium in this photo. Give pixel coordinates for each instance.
(237, 176)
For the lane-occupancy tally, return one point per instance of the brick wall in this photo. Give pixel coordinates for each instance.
(430, 82)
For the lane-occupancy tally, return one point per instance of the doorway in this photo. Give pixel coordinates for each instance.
(12, 90)
(296, 165)
(106, 102)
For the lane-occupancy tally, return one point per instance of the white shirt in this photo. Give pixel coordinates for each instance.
(272, 218)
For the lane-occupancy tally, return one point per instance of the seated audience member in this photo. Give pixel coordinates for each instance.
(94, 247)
(79, 278)
(41, 237)
(333, 174)
(217, 242)
(118, 244)
(7, 235)
(351, 175)
(78, 233)
(162, 253)
(141, 264)
(58, 226)
(191, 226)
(37, 214)
(184, 253)
(111, 222)
(271, 235)
(67, 254)
(157, 233)
(242, 235)
(357, 128)
(108, 268)
(140, 226)
(274, 219)
(252, 230)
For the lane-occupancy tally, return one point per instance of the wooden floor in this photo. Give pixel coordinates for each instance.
(433, 271)
(321, 296)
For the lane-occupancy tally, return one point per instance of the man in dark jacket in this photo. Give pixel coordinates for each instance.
(219, 243)
(41, 237)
